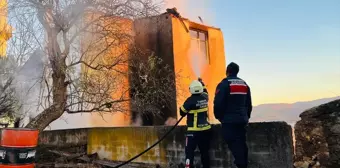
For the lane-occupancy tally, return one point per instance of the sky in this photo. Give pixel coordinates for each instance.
(288, 51)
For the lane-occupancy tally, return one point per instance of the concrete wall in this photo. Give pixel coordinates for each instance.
(64, 138)
(270, 144)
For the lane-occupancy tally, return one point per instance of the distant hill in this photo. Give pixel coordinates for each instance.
(285, 112)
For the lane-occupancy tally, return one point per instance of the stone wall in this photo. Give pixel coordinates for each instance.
(72, 141)
(270, 144)
(64, 138)
(318, 135)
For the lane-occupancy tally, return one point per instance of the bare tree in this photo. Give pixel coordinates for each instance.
(87, 45)
(8, 101)
(152, 84)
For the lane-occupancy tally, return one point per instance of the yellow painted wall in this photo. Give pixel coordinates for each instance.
(121, 144)
(5, 29)
(212, 74)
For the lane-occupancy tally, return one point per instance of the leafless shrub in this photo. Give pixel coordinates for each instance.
(8, 101)
(152, 83)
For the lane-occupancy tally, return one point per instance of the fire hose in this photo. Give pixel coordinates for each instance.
(156, 143)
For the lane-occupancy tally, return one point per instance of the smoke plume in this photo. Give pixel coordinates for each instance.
(27, 83)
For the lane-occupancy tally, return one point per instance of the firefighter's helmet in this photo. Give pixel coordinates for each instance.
(196, 87)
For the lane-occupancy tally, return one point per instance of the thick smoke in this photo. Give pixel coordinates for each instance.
(27, 83)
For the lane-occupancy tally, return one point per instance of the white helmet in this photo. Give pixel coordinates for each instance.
(196, 87)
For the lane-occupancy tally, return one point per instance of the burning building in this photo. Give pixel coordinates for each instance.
(191, 49)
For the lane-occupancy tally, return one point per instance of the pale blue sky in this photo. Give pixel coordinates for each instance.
(287, 50)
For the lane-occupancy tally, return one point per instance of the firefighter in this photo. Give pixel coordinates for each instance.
(232, 107)
(198, 126)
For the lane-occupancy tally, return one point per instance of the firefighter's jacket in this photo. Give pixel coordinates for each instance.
(232, 102)
(196, 108)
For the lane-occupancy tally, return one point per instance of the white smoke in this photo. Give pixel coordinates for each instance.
(27, 83)
(138, 121)
(170, 121)
(31, 82)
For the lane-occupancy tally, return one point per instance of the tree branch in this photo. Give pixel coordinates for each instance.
(103, 107)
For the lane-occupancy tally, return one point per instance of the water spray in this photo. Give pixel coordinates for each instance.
(197, 63)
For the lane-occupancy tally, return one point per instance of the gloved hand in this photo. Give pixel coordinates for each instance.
(182, 113)
(200, 80)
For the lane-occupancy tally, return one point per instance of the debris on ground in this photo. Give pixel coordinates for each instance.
(62, 159)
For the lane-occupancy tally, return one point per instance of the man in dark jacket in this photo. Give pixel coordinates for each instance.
(199, 128)
(232, 107)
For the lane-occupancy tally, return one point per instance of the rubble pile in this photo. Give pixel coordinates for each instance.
(317, 137)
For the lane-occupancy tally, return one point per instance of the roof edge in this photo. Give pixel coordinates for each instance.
(186, 19)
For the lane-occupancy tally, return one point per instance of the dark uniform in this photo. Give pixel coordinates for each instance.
(199, 133)
(232, 107)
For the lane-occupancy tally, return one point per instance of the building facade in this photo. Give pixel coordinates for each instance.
(192, 49)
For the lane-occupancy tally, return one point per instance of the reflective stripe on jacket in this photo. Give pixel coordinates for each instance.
(232, 101)
(196, 109)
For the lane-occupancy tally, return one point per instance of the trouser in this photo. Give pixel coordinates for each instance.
(235, 137)
(202, 140)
